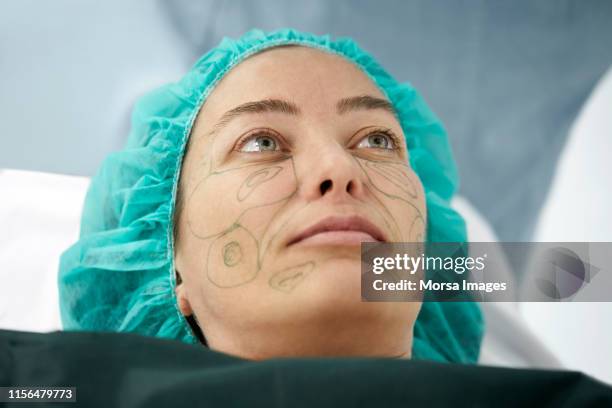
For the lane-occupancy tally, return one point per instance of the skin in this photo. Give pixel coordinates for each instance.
(256, 179)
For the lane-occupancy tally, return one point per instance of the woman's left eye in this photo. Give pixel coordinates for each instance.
(259, 143)
(378, 140)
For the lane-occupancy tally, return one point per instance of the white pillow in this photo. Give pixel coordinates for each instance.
(40, 215)
(508, 340)
(578, 210)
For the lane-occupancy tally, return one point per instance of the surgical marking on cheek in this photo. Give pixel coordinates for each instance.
(263, 246)
(388, 194)
(417, 228)
(255, 179)
(264, 249)
(396, 177)
(232, 254)
(393, 227)
(392, 171)
(207, 164)
(236, 270)
(206, 188)
(235, 239)
(287, 279)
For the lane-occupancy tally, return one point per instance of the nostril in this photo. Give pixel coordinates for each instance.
(349, 186)
(326, 185)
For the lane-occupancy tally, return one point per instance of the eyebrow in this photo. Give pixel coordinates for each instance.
(345, 105)
(364, 102)
(262, 106)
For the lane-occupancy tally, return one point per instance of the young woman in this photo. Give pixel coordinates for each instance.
(235, 213)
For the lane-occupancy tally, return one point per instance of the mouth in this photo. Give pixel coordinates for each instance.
(339, 230)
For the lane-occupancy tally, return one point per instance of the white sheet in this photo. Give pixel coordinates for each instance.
(508, 340)
(578, 208)
(39, 213)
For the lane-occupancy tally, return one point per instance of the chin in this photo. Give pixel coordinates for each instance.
(333, 291)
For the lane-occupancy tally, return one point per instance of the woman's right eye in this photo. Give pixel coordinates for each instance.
(259, 143)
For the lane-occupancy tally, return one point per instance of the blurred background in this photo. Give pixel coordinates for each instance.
(524, 89)
(506, 78)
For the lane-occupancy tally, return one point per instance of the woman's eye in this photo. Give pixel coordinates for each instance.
(378, 140)
(259, 143)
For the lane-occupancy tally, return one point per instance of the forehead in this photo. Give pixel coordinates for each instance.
(311, 78)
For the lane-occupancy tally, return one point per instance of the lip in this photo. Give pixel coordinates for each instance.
(339, 230)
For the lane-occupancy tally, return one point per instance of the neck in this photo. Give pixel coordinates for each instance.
(301, 341)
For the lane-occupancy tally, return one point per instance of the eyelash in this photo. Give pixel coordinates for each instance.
(267, 132)
(260, 132)
(387, 132)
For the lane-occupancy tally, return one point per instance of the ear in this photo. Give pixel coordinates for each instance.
(183, 301)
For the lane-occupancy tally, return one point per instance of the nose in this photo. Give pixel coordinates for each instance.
(334, 175)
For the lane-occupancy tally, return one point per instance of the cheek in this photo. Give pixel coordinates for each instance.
(227, 215)
(223, 199)
(400, 191)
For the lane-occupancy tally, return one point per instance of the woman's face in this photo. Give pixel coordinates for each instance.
(292, 148)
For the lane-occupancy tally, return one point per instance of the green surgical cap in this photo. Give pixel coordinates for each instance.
(119, 276)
